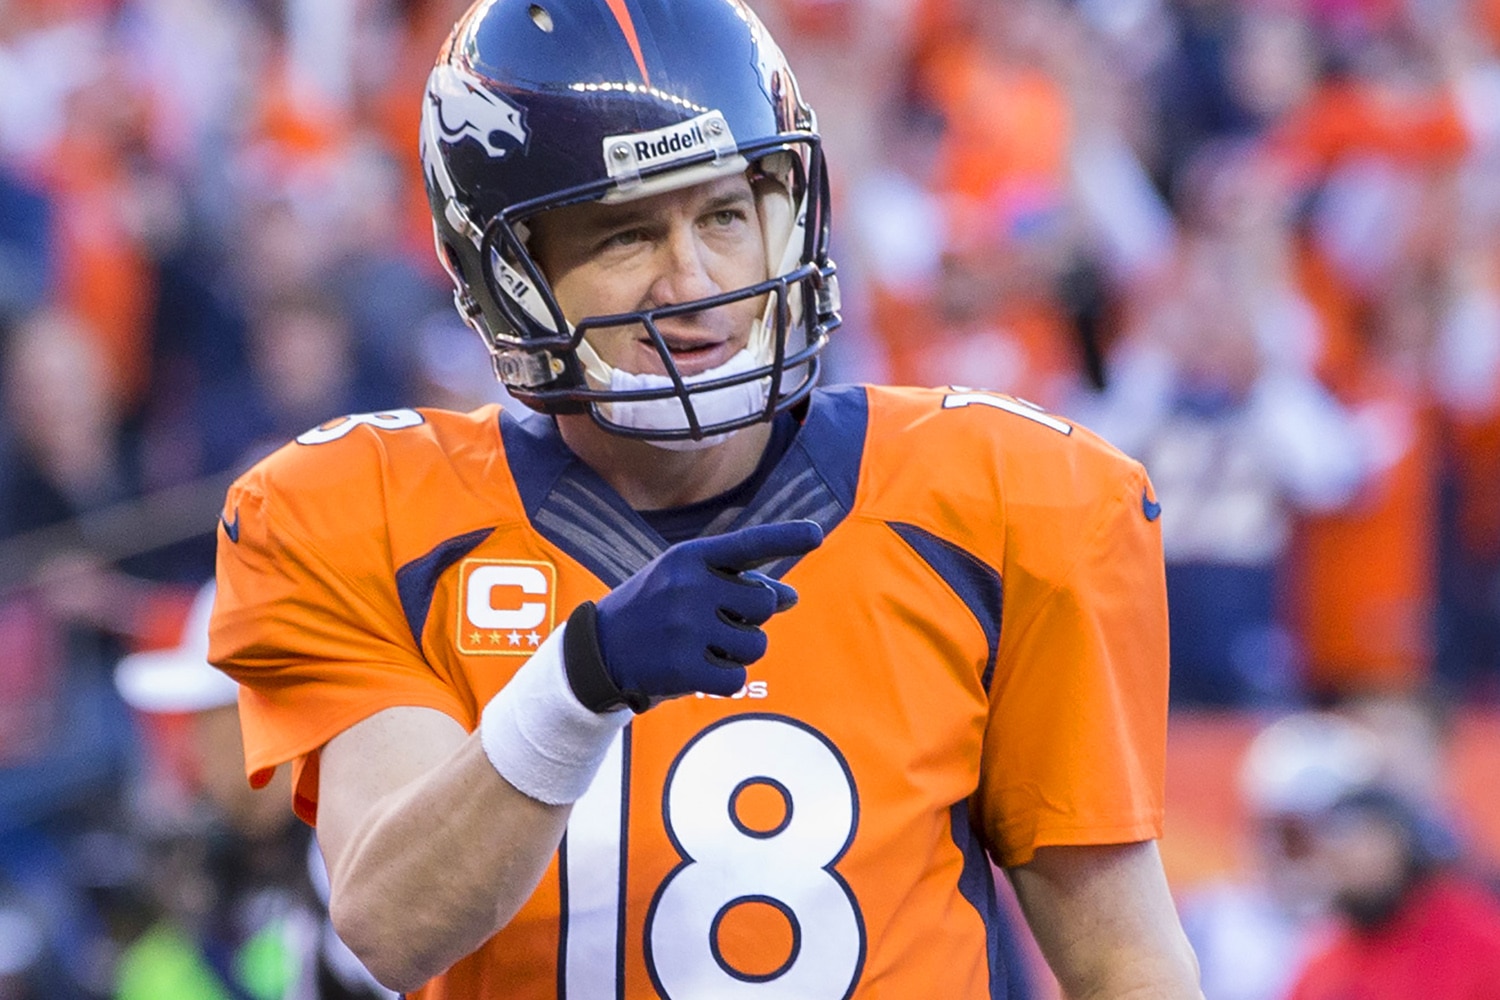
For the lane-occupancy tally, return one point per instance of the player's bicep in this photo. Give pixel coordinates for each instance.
(362, 768)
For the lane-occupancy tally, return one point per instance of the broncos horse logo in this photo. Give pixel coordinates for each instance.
(461, 108)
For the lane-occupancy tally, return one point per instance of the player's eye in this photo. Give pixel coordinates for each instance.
(725, 217)
(623, 238)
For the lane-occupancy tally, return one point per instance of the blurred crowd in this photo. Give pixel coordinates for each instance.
(1255, 243)
(1359, 877)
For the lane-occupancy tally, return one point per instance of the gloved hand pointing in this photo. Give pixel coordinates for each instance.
(687, 621)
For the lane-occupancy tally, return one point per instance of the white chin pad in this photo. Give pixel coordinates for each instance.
(714, 406)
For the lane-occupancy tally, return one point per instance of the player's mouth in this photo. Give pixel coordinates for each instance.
(692, 356)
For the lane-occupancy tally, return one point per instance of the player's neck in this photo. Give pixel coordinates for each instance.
(651, 478)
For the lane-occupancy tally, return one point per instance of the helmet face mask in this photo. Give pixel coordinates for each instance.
(508, 135)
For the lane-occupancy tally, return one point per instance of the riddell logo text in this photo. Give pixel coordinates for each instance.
(668, 145)
(755, 689)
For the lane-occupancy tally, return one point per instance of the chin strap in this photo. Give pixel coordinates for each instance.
(714, 406)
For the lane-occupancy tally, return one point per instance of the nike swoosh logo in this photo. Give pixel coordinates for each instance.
(232, 528)
(1149, 507)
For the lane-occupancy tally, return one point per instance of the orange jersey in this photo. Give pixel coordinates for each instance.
(977, 667)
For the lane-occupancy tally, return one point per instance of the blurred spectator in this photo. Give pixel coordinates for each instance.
(1468, 630)
(1466, 383)
(1404, 270)
(1195, 86)
(1412, 923)
(979, 278)
(1251, 934)
(47, 50)
(64, 430)
(228, 907)
(1364, 586)
(1318, 882)
(386, 291)
(990, 319)
(62, 608)
(109, 205)
(66, 457)
(66, 612)
(1212, 390)
(304, 369)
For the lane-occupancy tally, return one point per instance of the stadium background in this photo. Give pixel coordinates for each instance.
(1254, 242)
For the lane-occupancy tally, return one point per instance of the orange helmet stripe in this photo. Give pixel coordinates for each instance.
(627, 27)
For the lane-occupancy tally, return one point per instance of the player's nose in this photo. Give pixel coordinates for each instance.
(683, 263)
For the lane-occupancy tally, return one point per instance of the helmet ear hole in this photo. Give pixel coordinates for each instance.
(447, 255)
(540, 17)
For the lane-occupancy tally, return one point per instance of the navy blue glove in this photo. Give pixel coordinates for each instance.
(689, 620)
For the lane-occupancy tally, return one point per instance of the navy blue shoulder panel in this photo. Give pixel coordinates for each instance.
(536, 455)
(976, 883)
(571, 506)
(817, 477)
(833, 438)
(976, 583)
(416, 581)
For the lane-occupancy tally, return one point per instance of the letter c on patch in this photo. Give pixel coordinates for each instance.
(482, 583)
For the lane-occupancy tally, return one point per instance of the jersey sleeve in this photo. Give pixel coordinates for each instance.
(308, 618)
(1075, 743)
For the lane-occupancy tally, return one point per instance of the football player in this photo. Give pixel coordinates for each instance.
(698, 682)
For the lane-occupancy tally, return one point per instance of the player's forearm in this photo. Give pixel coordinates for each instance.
(1106, 923)
(1142, 977)
(1150, 962)
(1152, 967)
(440, 866)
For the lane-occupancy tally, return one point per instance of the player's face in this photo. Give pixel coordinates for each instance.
(662, 250)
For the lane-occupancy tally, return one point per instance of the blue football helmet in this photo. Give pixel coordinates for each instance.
(537, 105)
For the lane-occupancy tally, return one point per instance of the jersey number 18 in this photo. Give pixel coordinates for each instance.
(730, 865)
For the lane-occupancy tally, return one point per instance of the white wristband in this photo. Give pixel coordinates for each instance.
(539, 736)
